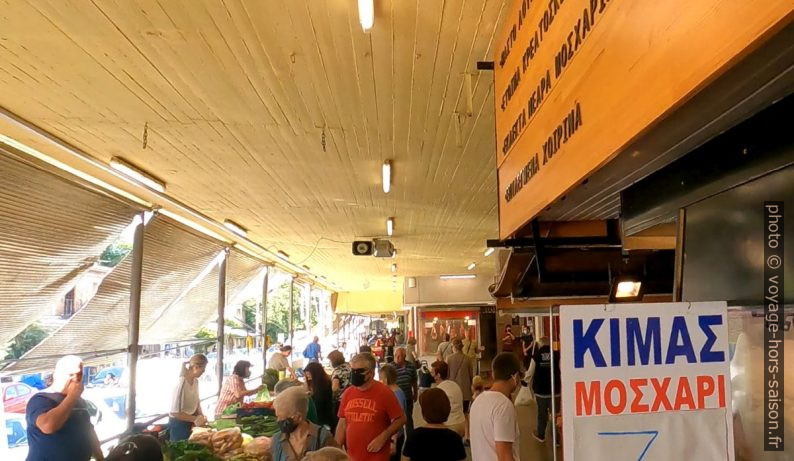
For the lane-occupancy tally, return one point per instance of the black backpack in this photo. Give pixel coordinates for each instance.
(140, 447)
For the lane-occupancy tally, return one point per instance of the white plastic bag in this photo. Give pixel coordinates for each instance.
(525, 394)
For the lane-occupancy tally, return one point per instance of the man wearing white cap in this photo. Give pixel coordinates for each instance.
(59, 426)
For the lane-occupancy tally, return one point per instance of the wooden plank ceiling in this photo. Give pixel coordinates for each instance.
(237, 95)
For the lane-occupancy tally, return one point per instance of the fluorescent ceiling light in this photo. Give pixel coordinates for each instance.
(471, 266)
(60, 165)
(462, 276)
(394, 253)
(387, 176)
(143, 177)
(236, 228)
(628, 289)
(366, 14)
(390, 226)
(489, 251)
(282, 255)
(394, 267)
(192, 224)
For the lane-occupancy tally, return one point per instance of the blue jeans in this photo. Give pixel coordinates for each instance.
(179, 430)
(544, 409)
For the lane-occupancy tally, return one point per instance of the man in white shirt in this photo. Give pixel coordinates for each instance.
(493, 426)
(456, 420)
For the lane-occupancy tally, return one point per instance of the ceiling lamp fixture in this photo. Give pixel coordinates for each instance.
(394, 254)
(394, 267)
(489, 251)
(282, 255)
(236, 228)
(386, 176)
(471, 266)
(366, 14)
(390, 226)
(462, 276)
(138, 174)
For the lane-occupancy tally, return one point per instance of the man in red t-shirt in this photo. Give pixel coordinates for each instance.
(369, 414)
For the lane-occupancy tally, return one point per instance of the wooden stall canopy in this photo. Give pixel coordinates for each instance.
(577, 82)
(277, 115)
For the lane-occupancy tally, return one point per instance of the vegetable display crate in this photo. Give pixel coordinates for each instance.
(243, 412)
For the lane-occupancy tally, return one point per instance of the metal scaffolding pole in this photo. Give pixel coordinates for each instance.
(221, 317)
(263, 316)
(291, 309)
(134, 319)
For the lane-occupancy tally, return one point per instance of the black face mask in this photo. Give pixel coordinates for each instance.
(358, 379)
(287, 426)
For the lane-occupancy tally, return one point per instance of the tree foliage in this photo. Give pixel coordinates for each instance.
(278, 311)
(26, 340)
(204, 333)
(114, 253)
(250, 307)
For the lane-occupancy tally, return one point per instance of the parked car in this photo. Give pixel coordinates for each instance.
(99, 379)
(16, 396)
(107, 408)
(17, 436)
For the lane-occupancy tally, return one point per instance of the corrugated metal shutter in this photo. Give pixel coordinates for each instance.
(200, 306)
(50, 231)
(173, 256)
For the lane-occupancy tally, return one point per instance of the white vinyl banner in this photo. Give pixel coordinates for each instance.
(646, 382)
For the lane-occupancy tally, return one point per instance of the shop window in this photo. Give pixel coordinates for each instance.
(68, 304)
(435, 325)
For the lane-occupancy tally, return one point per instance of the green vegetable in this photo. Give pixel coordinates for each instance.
(258, 426)
(270, 378)
(188, 451)
(221, 424)
(263, 395)
(231, 409)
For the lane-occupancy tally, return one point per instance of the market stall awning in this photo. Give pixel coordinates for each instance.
(51, 230)
(184, 316)
(367, 302)
(173, 256)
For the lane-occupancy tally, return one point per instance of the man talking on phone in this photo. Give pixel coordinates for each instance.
(59, 425)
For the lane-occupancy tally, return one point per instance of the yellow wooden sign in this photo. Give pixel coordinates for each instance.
(575, 81)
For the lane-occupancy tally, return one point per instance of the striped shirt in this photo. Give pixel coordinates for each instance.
(406, 378)
(234, 384)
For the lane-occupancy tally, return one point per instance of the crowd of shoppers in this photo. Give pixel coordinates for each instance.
(349, 414)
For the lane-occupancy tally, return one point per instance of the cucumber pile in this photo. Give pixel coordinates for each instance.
(257, 426)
